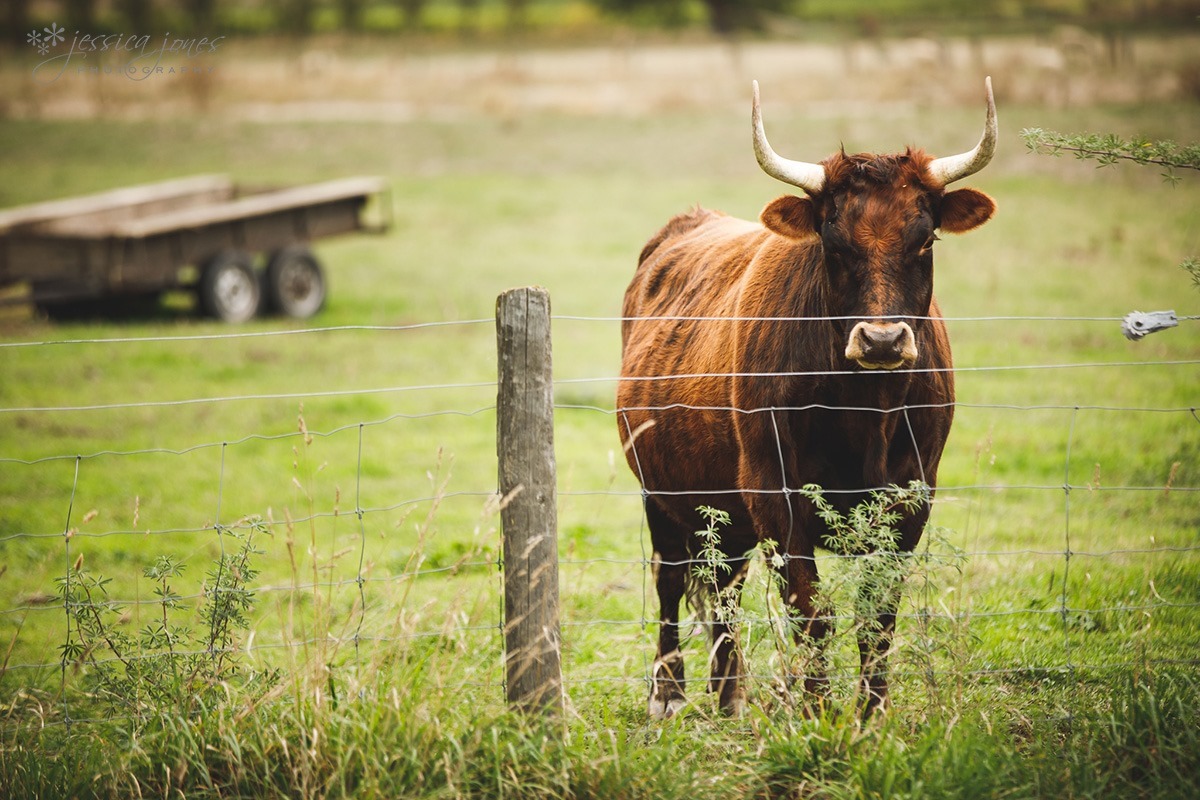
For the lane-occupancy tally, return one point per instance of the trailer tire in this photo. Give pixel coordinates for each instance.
(295, 282)
(228, 288)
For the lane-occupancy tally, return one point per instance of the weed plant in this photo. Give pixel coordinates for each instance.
(865, 576)
(167, 665)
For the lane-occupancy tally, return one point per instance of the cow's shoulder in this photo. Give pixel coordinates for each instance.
(677, 226)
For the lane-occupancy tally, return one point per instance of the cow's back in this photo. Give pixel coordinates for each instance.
(694, 267)
(689, 279)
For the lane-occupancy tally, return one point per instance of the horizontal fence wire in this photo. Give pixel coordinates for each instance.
(254, 437)
(190, 401)
(859, 374)
(867, 375)
(735, 318)
(492, 564)
(370, 592)
(235, 335)
(313, 331)
(299, 520)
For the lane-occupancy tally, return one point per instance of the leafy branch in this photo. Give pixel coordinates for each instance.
(1108, 149)
(869, 533)
(869, 527)
(712, 561)
(1192, 267)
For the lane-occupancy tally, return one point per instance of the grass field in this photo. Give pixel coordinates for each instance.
(1020, 671)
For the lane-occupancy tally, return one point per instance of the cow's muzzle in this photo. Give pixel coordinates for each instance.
(882, 345)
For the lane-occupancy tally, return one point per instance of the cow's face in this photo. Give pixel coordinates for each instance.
(877, 219)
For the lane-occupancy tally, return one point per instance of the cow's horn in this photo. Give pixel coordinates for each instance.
(953, 168)
(806, 176)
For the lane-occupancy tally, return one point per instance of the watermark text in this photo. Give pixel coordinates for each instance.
(138, 56)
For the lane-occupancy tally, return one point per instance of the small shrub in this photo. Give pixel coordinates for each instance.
(167, 663)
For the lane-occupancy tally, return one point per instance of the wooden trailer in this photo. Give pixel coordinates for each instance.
(200, 233)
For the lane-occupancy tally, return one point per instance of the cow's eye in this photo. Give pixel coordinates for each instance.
(929, 243)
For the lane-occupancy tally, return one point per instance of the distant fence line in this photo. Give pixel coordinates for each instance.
(537, 645)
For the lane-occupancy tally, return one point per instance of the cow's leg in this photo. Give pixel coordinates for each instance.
(726, 659)
(877, 602)
(670, 578)
(809, 620)
(877, 624)
(784, 518)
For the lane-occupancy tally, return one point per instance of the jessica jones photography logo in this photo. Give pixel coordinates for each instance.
(137, 57)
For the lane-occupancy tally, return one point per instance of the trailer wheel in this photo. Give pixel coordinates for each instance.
(295, 282)
(229, 288)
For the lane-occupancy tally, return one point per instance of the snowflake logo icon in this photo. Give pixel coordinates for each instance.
(34, 38)
(54, 34)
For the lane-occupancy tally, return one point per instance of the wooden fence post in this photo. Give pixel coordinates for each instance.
(525, 447)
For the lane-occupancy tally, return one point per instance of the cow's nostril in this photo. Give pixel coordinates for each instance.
(879, 336)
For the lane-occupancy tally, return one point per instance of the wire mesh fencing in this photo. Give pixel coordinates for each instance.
(1062, 547)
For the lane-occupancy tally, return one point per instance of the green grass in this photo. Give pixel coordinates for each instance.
(1024, 700)
(1135, 739)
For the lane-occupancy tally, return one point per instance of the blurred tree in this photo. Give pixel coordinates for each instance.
(81, 15)
(295, 16)
(516, 14)
(724, 16)
(16, 21)
(351, 13)
(137, 14)
(468, 16)
(412, 10)
(729, 16)
(668, 13)
(202, 14)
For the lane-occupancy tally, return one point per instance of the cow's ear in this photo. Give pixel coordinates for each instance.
(965, 209)
(790, 216)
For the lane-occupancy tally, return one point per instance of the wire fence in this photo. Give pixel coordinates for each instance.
(381, 528)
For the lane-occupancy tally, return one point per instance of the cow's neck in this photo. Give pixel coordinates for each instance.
(882, 399)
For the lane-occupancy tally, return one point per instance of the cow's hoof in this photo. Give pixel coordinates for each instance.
(665, 709)
(734, 707)
(873, 705)
(815, 706)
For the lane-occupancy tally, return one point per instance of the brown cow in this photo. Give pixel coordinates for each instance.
(827, 364)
